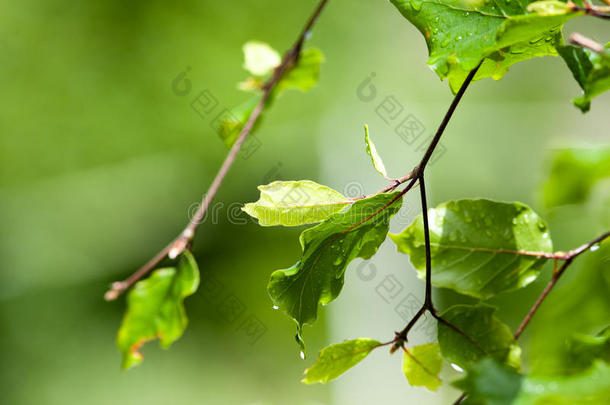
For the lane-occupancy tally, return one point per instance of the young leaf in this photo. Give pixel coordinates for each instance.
(259, 58)
(478, 246)
(460, 33)
(479, 334)
(336, 359)
(302, 76)
(371, 150)
(422, 365)
(317, 278)
(590, 69)
(155, 309)
(292, 203)
(233, 122)
(490, 383)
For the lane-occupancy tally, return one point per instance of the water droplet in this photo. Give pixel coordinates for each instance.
(437, 19)
(416, 4)
(545, 235)
(457, 368)
(445, 42)
(302, 354)
(594, 248)
(541, 226)
(459, 38)
(275, 307)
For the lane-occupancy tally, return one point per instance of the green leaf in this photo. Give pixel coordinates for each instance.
(574, 172)
(482, 335)
(478, 246)
(302, 76)
(460, 33)
(490, 383)
(317, 278)
(590, 69)
(336, 359)
(371, 150)
(422, 365)
(584, 350)
(591, 387)
(233, 122)
(155, 309)
(259, 58)
(292, 203)
(305, 74)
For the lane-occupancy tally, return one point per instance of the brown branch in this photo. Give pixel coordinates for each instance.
(581, 40)
(571, 255)
(185, 239)
(589, 9)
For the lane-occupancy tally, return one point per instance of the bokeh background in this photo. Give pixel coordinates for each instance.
(100, 161)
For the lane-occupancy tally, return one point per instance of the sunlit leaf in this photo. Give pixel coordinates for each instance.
(371, 150)
(317, 278)
(590, 69)
(422, 364)
(479, 334)
(336, 359)
(460, 33)
(292, 203)
(305, 74)
(155, 309)
(478, 246)
(259, 58)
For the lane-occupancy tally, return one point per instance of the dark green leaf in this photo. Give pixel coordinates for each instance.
(422, 364)
(292, 203)
(490, 383)
(336, 359)
(479, 334)
(478, 246)
(460, 33)
(317, 278)
(590, 69)
(155, 309)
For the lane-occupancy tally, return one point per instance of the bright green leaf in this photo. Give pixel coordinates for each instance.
(336, 359)
(422, 365)
(482, 335)
(371, 150)
(305, 74)
(548, 7)
(574, 172)
(490, 383)
(292, 203)
(317, 278)
(233, 122)
(155, 309)
(259, 58)
(460, 33)
(478, 246)
(590, 69)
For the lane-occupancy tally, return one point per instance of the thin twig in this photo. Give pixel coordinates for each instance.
(581, 40)
(185, 239)
(571, 255)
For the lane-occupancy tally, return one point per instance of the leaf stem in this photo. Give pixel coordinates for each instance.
(185, 239)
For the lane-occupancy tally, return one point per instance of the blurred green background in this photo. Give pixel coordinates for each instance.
(100, 161)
